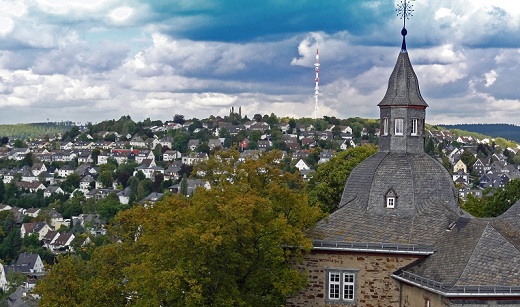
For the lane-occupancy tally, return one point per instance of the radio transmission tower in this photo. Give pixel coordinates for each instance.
(316, 88)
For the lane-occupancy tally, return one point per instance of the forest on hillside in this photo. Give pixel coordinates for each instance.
(33, 131)
(506, 131)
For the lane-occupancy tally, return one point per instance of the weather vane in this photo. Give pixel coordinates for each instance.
(404, 11)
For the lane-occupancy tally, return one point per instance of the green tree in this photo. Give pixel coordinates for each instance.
(106, 178)
(326, 185)
(71, 182)
(475, 206)
(184, 185)
(226, 246)
(502, 200)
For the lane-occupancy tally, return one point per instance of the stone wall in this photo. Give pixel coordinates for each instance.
(374, 286)
(417, 297)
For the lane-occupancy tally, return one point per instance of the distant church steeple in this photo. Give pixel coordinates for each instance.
(402, 110)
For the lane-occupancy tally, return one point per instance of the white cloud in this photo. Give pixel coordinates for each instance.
(121, 14)
(491, 77)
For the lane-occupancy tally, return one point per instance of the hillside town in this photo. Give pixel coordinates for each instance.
(63, 191)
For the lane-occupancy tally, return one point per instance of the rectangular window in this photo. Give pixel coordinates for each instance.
(334, 285)
(341, 286)
(390, 202)
(399, 126)
(348, 286)
(414, 126)
(385, 126)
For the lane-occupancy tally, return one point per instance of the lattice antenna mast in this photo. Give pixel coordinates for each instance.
(316, 88)
(404, 11)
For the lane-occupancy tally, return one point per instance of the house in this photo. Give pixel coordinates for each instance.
(192, 144)
(325, 156)
(31, 186)
(98, 194)
(170, 155)
(138, 142)
(173, 171)
(86, 181)
(38, 168)
(62, 243)
(259, 126)
(460, 177)
(460, 166)
(32, 212)
(302, 166)
(40, 228)
(152, 198)
(149, 169)
(192, 185)
(166, 142)
(124, 196)
(22, 296)
(52, 189)
(29, 263)
(214, 143)
(143, 155)
(193, 158)
(399, 237)
(65, 171)
(85, 156)
(18, 154)
(55, 218)
(481, 166)
(92, 223)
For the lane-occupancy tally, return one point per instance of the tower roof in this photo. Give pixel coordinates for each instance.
(403, 86)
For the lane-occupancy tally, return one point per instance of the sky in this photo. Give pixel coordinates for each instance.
(94, 60)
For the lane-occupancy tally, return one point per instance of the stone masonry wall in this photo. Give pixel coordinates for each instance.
(374, 286)
(416, 297)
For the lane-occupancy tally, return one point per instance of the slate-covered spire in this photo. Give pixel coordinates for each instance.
(403, 109)
(403, 86)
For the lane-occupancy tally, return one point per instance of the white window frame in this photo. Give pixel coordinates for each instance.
(334, 286)
(385, 125)
(341, 285)
(399, 126)
(390, 202)
(415, 126)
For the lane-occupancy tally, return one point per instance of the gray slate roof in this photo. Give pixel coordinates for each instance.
(425, 206)
(403, 86)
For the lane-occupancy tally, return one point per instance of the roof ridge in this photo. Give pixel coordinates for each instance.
(500, 233)
(469, 258)
(373, 181)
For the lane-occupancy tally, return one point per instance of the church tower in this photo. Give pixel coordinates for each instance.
(402, 110)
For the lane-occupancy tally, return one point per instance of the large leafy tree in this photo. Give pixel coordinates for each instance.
(326, 185)
(231, 245)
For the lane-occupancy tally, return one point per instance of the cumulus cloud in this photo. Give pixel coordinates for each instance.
(99, 59)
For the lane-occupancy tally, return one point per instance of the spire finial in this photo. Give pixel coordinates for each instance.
(404, 11)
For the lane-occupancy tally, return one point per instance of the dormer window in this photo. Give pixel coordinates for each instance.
(385, 126)
(390, 199)
(399, 126)
(414, 126)
(390, 202)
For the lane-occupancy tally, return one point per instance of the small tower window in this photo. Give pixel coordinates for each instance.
(414, 126)
(399, 126)
(390, 199)
(385, 126)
